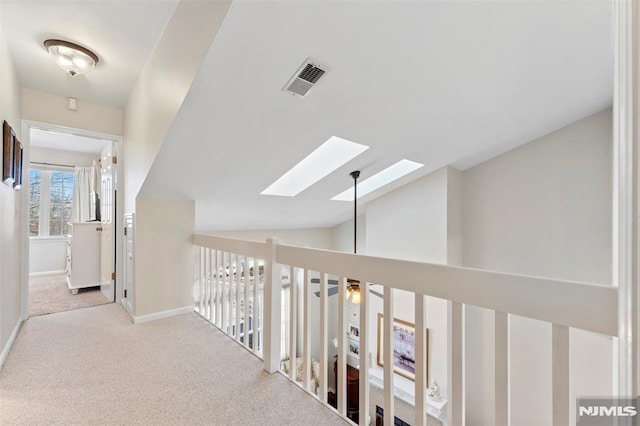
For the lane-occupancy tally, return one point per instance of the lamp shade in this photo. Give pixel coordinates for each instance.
(72, 58)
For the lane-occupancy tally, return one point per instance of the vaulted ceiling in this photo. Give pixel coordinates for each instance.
(438, 82)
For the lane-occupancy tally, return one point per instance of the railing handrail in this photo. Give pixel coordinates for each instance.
(591, 307)
(232, 245)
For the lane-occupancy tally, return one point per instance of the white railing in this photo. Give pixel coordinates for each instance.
(229, 288)
(564, 304)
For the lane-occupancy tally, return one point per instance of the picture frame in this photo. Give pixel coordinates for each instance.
(354, 331)
(404, 348)
(353, 347)
(18, 153)
(8, 156)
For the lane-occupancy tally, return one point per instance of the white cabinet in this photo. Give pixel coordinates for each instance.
(83, 256)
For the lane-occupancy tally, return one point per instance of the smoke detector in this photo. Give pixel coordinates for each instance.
(305, 78)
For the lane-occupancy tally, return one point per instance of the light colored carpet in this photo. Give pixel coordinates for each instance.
(93, 367)
(49, 294)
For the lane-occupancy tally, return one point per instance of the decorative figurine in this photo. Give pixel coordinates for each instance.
(434, 391)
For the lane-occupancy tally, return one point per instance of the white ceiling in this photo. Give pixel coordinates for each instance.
(66, 142)
(440, 83)
(122, 34)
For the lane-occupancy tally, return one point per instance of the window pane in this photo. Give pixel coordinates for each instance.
(68, 180)
(56, 195)
(66, 214)
(65, 228)
(67, 194)
(34, 211)
(55, 227)
(55, 212)
(35, 177)
(33, 228)
(56, 179)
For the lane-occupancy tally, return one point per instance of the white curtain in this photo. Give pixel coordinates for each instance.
(81, 195)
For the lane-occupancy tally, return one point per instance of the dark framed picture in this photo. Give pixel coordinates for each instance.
(18, 152)
(354, 331)
(404, 347)
(8, 156)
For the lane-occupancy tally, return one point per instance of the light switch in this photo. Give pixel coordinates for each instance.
(73, 104)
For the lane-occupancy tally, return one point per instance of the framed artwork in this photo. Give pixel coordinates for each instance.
(8, 157)
(404, 347)
(354, 331)
(354, 347)
(17, 164)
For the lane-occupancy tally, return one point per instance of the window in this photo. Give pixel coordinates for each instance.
(35, 179)
(50, 199)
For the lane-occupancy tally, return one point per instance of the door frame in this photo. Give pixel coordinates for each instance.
(27, 125)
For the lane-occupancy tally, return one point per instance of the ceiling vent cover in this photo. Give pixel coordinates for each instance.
(305, 78)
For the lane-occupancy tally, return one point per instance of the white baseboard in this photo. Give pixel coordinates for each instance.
(9, 345)
(160, 315)
(39, 274)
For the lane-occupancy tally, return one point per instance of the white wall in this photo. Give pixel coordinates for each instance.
(162, 85)
(47, 255)
(11, 220)
(52, 109)
(314, 237)
(163, 250)
(164, 255)
(541, 209)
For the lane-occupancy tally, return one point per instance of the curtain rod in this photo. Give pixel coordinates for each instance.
(51, 164)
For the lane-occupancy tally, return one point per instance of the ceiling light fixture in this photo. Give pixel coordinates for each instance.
(352, 294)
(70, 57)
(332, 154)
(386, 176)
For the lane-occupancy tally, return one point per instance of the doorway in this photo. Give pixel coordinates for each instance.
(70, 218)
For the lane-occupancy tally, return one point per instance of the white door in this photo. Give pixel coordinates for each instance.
(127, 294)
(107, 214)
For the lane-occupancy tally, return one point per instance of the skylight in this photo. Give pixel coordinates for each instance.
(385, 177)
(329, 156)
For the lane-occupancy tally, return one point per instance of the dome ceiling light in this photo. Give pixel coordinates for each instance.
(70, 57)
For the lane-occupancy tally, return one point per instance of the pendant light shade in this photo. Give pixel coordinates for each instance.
(72, 58)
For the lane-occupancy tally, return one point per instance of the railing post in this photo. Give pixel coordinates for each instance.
(272, 307)
(501, 368)
(456, 364)
(626, 107)
(560, 374)
(421, 360)
(363, 419)
(388, 350)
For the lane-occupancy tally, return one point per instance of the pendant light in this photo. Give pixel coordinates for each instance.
(72, 58)
(353, 286)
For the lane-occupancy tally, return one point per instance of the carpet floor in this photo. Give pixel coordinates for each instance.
(49, 294)
(93, 367)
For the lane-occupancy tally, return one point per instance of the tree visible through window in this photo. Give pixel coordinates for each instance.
(60, 199)
(35, 179)
(51, 197)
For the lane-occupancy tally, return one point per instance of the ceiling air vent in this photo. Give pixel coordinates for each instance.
(304, 79)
